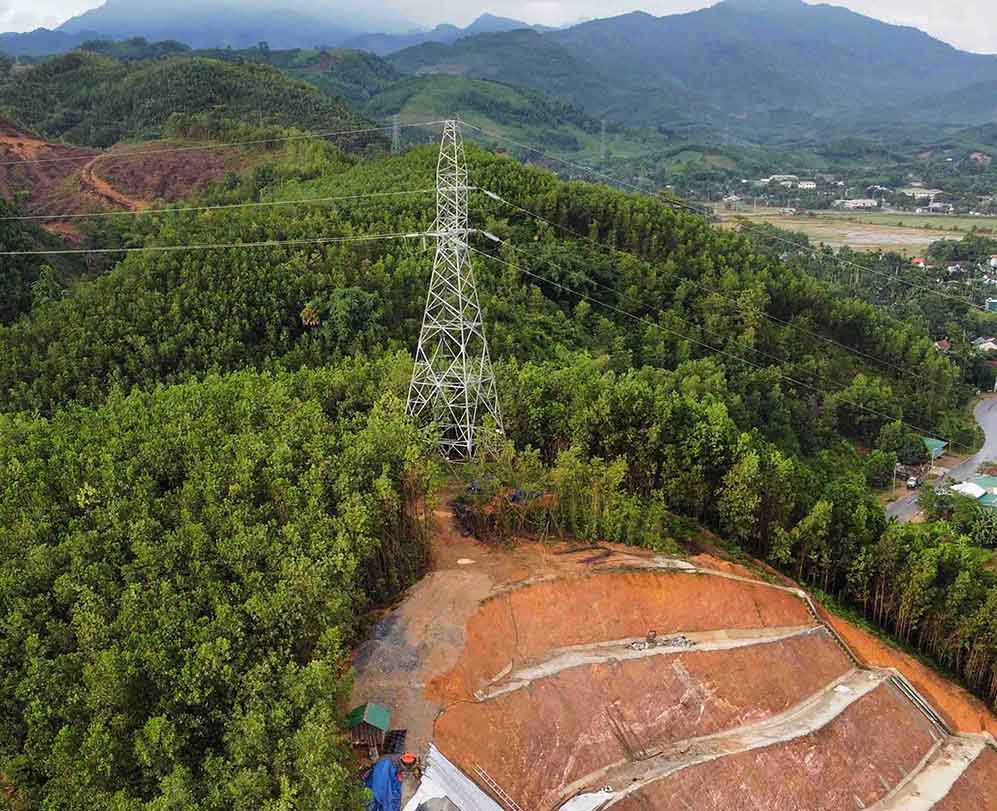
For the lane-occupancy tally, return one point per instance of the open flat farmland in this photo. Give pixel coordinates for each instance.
(908, 234)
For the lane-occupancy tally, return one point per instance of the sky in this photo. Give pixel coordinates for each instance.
(967, 24)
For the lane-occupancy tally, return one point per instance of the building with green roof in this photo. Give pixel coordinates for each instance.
(368, 725)
(936, 447)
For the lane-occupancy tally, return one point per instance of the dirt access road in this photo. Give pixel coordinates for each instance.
(92, 183)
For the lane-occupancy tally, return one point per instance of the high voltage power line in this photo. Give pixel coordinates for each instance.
(632, 299)
(703, 344)
(816, 252)
(416, 235)
(269, 243)
(218, 207)
(110, 156)
(693, 325)
(701, 285)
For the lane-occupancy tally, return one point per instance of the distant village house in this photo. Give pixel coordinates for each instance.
(852, 205)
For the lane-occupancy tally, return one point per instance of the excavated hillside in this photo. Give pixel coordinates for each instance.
(50, 178)
(561, 678)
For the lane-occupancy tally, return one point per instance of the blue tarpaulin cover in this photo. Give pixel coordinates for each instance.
(383, 781)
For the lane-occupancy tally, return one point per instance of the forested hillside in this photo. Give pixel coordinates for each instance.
(531, 59)
(207, 477)
(527, 116)
(182, 571)
(97, 101)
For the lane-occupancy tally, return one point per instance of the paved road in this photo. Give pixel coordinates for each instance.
(906, 509)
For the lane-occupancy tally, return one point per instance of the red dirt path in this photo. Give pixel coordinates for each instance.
(960, 708)
(538, 740)
(62, 179)
(94, 184)
(851, 763)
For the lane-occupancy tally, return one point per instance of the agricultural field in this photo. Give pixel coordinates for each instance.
(907, 234)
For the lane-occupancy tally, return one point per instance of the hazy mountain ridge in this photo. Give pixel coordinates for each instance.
(386, 44)
(839, 56)
(733, 64)
(42, 42)
(742, 65)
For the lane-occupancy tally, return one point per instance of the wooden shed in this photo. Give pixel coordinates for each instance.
(368, 724)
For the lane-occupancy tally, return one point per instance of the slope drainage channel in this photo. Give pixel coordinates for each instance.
(931, 783)
(803, 719)
(628, 649)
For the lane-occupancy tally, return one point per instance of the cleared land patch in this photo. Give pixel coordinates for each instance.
(519, 663)
(557, 730)
(977, 788)
(900, 233)
(523, 624)
(852, 762)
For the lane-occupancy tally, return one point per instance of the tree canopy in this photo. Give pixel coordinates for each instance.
(206, 477)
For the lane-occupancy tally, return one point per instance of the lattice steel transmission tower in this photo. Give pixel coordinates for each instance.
(453, 385)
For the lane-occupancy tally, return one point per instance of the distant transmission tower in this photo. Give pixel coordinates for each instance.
(453, 385)
(396, 134)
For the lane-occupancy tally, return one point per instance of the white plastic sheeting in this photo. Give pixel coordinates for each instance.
(970, 489)
(588, 802)
(441, 778)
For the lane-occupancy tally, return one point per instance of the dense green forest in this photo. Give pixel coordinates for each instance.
(28, 280)
(942, 304)
(521, 114)
(182, 571)
(95, 100)
(208, 480)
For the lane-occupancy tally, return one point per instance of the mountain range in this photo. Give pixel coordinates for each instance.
(227, 23)
(752, 68)
(748, 66)
(384, 44)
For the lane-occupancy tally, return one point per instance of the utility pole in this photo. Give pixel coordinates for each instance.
(453, 385)
(602, 147)
(396, 134)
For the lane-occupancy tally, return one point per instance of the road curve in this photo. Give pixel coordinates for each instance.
(986, 417)
(906, 509)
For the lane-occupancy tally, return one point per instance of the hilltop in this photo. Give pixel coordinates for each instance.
(223, 431)
(523, 115)
(535, 60)
(97, 101)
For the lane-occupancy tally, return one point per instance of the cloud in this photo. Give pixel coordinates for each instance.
(26, 15)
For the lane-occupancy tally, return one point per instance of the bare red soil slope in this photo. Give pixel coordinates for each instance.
(522, 624)
(976, 789)
(61, 179)
(853, 762)
(545, 736)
